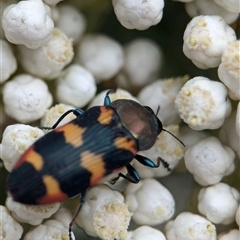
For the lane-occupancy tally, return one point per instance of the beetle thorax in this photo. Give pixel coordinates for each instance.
(142, 124)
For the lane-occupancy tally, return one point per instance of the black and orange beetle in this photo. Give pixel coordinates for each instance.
(73, 157)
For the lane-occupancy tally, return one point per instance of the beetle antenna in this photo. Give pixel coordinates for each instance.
(173, 136)
(158, 108)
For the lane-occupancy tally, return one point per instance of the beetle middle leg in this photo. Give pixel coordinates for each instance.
(132, 175)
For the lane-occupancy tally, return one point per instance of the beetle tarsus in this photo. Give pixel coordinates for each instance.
(165, 164)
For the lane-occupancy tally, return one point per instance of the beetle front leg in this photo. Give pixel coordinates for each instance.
(107, 100)
(76, 112)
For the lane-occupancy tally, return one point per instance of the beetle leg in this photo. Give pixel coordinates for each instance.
(165, 164)
(132, 175)
(75, 216)
(76, 112)
(107, 100)
(149, 163)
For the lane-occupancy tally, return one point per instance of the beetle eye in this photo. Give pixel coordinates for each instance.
(160, 127)
(159, 123)
(149, 110)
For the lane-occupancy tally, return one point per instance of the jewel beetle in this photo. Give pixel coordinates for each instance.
(71, 158)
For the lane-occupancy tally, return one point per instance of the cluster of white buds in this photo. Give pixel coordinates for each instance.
(57, 56)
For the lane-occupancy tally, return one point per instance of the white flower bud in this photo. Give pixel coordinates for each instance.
(138, 14)
(64, 216)
(54, 113)
(189, 226)
(49, 230)
(143, 60)
(10, 229)
(209, 161)
(48, 61)
(8, 62)
(3, 5)
(16, 139)
(26, 98)
(205, 39)
(104, 214)
(28, 23)
(219, 203)
(32, 214)
(101, 55)
(201, 107)
(150, 202)
(145, 232)
(76, 86)
(206, 7)
(71, 22)
(228, 133)
(229, 69)
(161, 94)
(230, 235)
